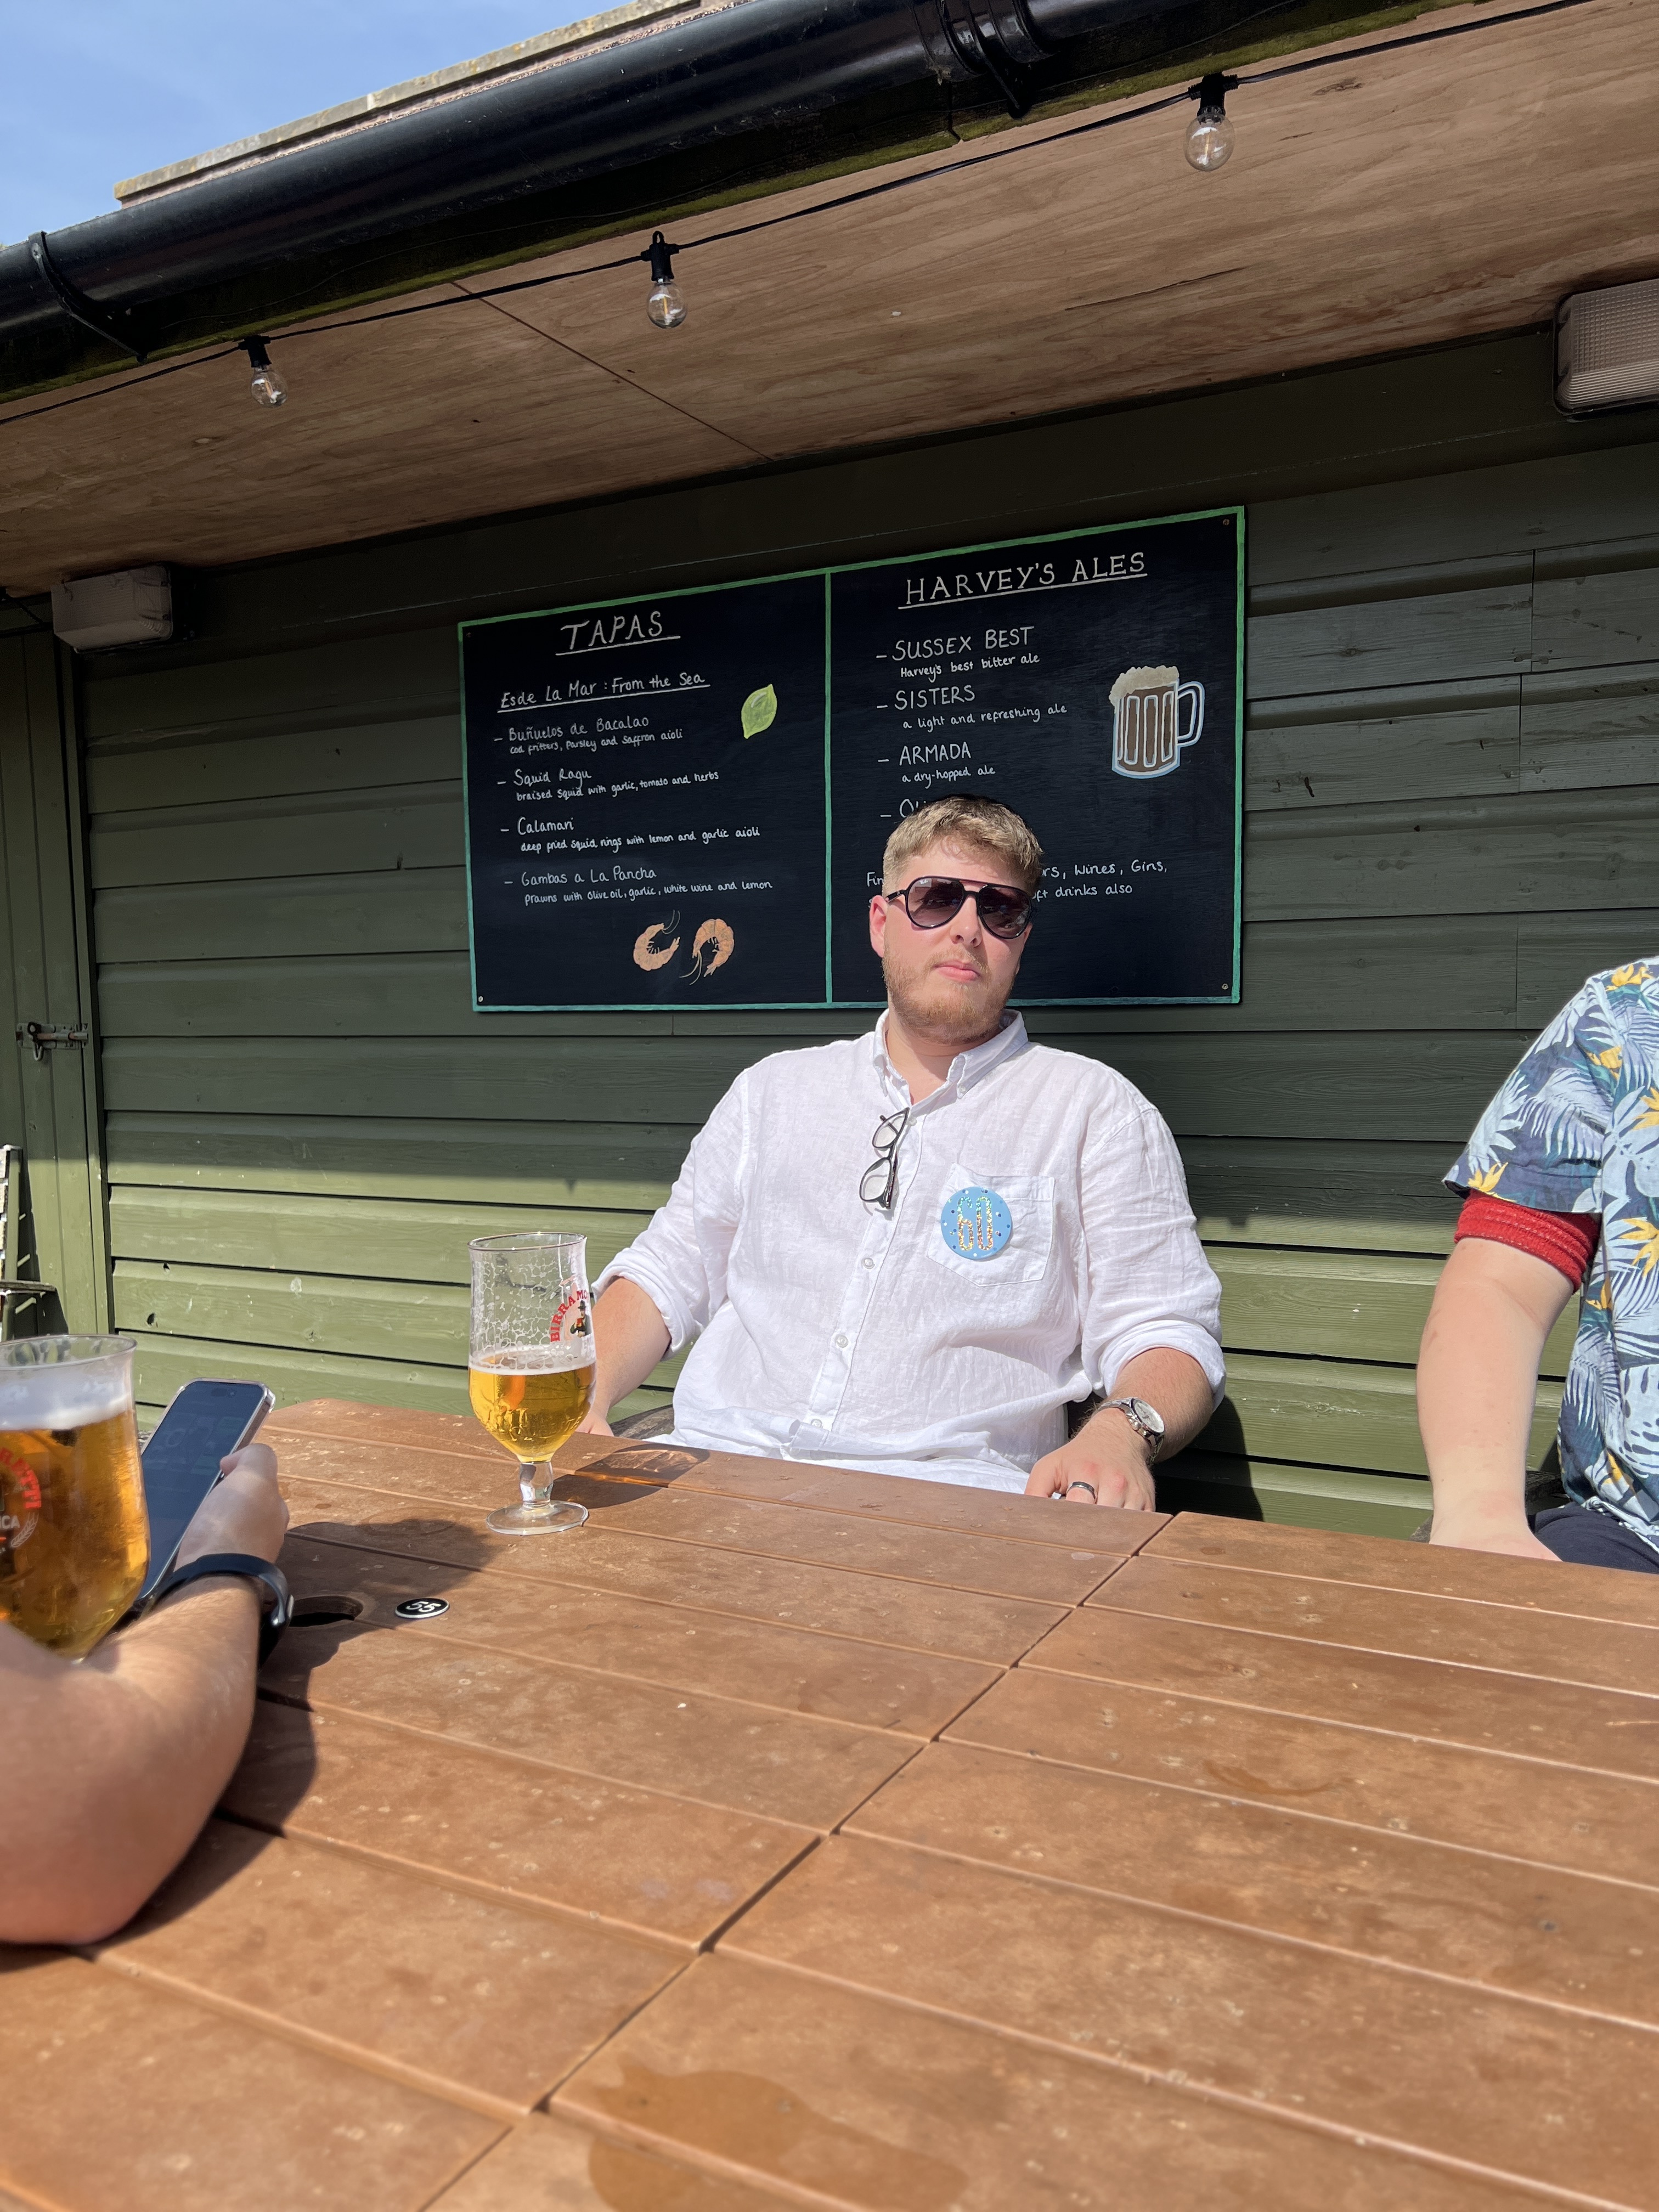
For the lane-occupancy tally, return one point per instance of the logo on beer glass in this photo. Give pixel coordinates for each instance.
(19, 1501)
(1147, 706)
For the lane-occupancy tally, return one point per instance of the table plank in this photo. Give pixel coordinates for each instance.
(1569, 1938)
(1613, 1732)
(1384, 1563)
(961, 1624)
(1293, 2028)
(552, 2166)
(852, 2099)
(712, 1750)
(1511, 1807)
(758, 1662)
(488, 2003)
(629, 1856)
(386, 1426)
(906, 1550)
(140, 2101)
(1596, 1653)
(944, 1505)
(404, 1470)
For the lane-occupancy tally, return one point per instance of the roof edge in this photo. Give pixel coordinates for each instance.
(546, 46)
(700, 106)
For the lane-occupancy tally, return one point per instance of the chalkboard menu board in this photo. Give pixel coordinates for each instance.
(682, 800)
(646, 801)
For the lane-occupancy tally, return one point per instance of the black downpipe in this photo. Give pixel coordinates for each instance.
(713, 106)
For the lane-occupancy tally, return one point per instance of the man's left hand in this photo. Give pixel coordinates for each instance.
(1105, 1464)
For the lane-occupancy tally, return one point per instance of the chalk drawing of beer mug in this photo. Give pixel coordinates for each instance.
(1147, 739)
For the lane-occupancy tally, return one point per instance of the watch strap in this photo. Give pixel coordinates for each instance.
(1152, 1437)
(278, 1609)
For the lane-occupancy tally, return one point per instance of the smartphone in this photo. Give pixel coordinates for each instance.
(206, 1421)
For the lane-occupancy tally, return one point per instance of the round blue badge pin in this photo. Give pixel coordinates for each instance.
(976, 1223)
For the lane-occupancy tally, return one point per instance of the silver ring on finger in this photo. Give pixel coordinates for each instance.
(1080, 1485)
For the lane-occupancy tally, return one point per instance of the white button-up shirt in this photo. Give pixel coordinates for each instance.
(829, 1330)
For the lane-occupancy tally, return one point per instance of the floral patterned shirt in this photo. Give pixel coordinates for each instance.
(1576, 1130)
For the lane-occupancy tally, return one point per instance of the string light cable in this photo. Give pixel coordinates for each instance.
(1210, 135)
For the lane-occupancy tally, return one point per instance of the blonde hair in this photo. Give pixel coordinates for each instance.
(982, 822)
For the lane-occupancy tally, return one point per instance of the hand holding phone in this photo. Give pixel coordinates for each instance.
(207, 1421)
(244, 1512)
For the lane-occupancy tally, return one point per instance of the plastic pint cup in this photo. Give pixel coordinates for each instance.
(74, 1531)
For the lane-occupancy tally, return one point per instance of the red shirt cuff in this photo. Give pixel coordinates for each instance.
(1566, 1241)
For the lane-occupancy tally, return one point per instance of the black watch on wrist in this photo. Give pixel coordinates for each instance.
(278, 1604)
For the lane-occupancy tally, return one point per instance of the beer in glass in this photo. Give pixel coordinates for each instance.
(531, 1371)
(73, 1533)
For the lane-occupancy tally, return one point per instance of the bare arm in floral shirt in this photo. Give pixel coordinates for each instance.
(1477, 1376)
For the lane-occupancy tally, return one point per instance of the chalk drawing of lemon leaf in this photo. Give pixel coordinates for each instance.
(760, 711)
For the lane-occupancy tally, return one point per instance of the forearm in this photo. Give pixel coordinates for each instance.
(1109, 1462)
(1173, 1382)
(113, 1766)
(1477, 1379)
(629, 1337)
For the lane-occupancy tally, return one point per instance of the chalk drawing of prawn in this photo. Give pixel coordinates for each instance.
(656, 946)
(711, 948)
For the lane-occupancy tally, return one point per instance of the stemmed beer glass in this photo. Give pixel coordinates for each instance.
(530, 1373)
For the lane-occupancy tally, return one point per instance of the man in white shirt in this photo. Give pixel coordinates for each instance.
(913, 1251)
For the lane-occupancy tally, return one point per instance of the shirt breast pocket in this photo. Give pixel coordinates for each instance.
(991, 1231)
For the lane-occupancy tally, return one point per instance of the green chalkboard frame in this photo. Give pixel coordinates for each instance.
(828, 1003)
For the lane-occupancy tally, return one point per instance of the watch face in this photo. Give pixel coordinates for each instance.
(1147, 1414)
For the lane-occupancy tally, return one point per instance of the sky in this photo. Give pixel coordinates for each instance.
(95, 90)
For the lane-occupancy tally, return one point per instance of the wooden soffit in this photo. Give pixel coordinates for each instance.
(1409, 199)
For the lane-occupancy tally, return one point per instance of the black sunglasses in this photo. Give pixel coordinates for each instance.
(931, 901)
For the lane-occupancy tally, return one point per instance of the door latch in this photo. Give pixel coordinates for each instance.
(46, 1037)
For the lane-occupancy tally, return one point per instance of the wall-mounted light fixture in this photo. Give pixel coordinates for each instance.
(129, 606)
(1607, 348)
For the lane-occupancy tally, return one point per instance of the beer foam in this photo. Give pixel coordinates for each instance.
(536, 1358)
(66, 1396)
(1143, 679)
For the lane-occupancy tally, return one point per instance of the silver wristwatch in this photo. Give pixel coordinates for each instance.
(1145, 1421)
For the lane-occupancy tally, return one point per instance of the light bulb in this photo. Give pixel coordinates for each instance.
(268, 386)
(1210, 134)
(665, 306)
(1209, 138)
(666, 303)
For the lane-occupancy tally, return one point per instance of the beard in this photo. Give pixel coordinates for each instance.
(947, 1013)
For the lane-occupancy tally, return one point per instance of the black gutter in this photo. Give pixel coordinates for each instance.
(715, 108)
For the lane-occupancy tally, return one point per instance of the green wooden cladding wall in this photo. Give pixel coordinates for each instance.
(1454, 701)
(48, 1106)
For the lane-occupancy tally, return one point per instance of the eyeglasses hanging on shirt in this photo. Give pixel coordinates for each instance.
(880, 1179)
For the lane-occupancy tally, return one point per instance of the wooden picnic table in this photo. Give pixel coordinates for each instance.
(792, 1836)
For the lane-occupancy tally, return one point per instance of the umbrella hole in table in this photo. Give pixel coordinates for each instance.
(324, 1610)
